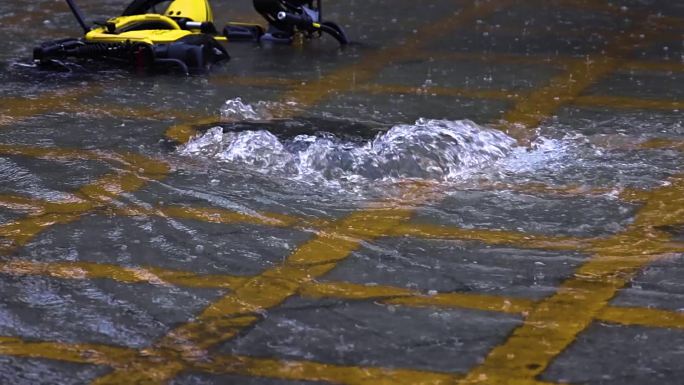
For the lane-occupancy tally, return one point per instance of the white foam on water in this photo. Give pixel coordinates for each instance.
(429, 149)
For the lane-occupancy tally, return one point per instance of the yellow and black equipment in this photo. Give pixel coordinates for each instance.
(182, 37)
(286, 18)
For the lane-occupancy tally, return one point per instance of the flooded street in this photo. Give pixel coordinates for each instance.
(471, 192)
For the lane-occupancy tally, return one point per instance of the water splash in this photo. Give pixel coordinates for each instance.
(439, 150)
(235, 110)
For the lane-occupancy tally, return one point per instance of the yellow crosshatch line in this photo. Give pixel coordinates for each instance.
(555, 322)
(565, 88)
(338, 290)
(136, 171)
(109, 188)
(663, 144)
(240, 308)
(561, 62)
(440, 91)
(349, 77)
(622, 102)
(16, 108)
(97, 354)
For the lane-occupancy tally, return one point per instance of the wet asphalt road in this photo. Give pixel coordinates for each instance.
(327, 240)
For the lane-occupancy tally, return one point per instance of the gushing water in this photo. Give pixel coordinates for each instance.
(429, 149)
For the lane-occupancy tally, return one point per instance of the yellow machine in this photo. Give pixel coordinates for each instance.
(182, 37)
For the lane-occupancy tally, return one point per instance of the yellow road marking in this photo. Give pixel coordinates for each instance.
(664, 144)
(19, 232)
(314, 371)
(265, 81)
(623, 102)
(555, 322)
(139, 171)
(241, 308)
(653, 66)
(51, 153)
(565, 88)
(561, 90)
(78, 353)
(214, 215)
(106, 194)
(350, 77)
(411, 298)
(225, 318)
(555, 61)
(594, 6)
(642, 317)
(14, 108)
(183, 132)
(17, 203)
(340, 290)
(440, 91)
(118, 357)
(492, 237)
(91, 270)
(558, 190)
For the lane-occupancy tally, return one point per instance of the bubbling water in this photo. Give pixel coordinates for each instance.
(440, 150)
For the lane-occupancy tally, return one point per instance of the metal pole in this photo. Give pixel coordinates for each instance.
(78, 15)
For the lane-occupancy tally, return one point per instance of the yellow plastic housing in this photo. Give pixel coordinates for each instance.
(148, 28)
(195, 10)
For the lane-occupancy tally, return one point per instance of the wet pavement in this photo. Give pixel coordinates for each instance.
(472, 192)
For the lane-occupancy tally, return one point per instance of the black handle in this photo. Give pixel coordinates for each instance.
(301, 21)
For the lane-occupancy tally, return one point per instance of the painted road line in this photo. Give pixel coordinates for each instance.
(384, 89)
(53, 153)
(663, 144)
(554, 323)
(600, 7)
(242, 308)
(411, 298)
(570, 190)
(648, 317)
(314, 371)
(144, 274)
(491, 237)
(16, 108)
(618, 102)
(233, 313)
(561, 90)
(265, 81)
(316, 290)
(348, 78)
(624, 102)
(22, 204)
(182, 132)
(76, 353)
(565, 88)
(17, 233)
(653, 66)
(556, 61)
(216, 215)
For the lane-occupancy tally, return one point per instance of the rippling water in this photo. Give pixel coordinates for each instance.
(438, 150)
(265, 158)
